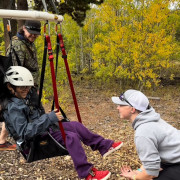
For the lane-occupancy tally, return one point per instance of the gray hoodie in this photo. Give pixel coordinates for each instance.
(156, 141)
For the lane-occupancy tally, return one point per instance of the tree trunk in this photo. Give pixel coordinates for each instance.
(81, 49)
(22, 5)
(5, 4)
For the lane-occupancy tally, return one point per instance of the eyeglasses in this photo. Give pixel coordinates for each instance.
(24, 87)
(122, 98)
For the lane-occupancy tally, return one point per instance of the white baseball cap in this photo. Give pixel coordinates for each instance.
(132, 98)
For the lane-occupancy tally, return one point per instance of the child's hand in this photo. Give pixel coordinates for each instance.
(58, 114)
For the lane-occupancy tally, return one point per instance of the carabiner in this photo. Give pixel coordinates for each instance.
(56, 27)
(49, 32)
(8, 25)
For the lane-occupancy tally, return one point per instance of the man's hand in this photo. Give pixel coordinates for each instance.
(127, 172)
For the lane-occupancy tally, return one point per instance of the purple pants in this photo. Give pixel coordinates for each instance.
(75, 133)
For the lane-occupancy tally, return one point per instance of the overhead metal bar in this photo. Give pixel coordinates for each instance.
(30, 15)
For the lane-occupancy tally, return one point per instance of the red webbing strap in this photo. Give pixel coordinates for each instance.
(64, 56)
(54, 83)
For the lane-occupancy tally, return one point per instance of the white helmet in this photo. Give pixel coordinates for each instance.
(19, 76)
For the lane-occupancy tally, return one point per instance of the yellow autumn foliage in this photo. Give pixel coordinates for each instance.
(134, 43)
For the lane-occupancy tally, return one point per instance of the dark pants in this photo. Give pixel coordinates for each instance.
(75, 134)
(169, 172)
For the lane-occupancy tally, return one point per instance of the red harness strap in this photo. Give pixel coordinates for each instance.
(51, 57)
(64, 56)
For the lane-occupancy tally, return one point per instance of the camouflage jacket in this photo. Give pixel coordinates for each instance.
(27, 55)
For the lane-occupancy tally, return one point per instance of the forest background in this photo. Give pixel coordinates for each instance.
(132, 43)
(111, 46)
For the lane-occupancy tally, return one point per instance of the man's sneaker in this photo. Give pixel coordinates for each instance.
(114, 147)
(7, 146)
(98, 175)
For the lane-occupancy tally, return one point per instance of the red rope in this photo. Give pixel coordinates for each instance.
(69, 76)
(50, 53)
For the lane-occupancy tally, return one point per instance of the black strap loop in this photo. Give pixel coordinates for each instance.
(43, 70)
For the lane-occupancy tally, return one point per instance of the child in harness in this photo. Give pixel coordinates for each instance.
(25, 122)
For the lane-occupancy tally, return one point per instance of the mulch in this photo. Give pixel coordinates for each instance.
(99, 115)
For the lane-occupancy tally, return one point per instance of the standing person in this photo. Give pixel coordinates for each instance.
(156, 141)
(25, 53)
(4, 144)
(26, 123)
(24, 47)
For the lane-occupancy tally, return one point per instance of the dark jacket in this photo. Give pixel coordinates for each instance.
(25, 122)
